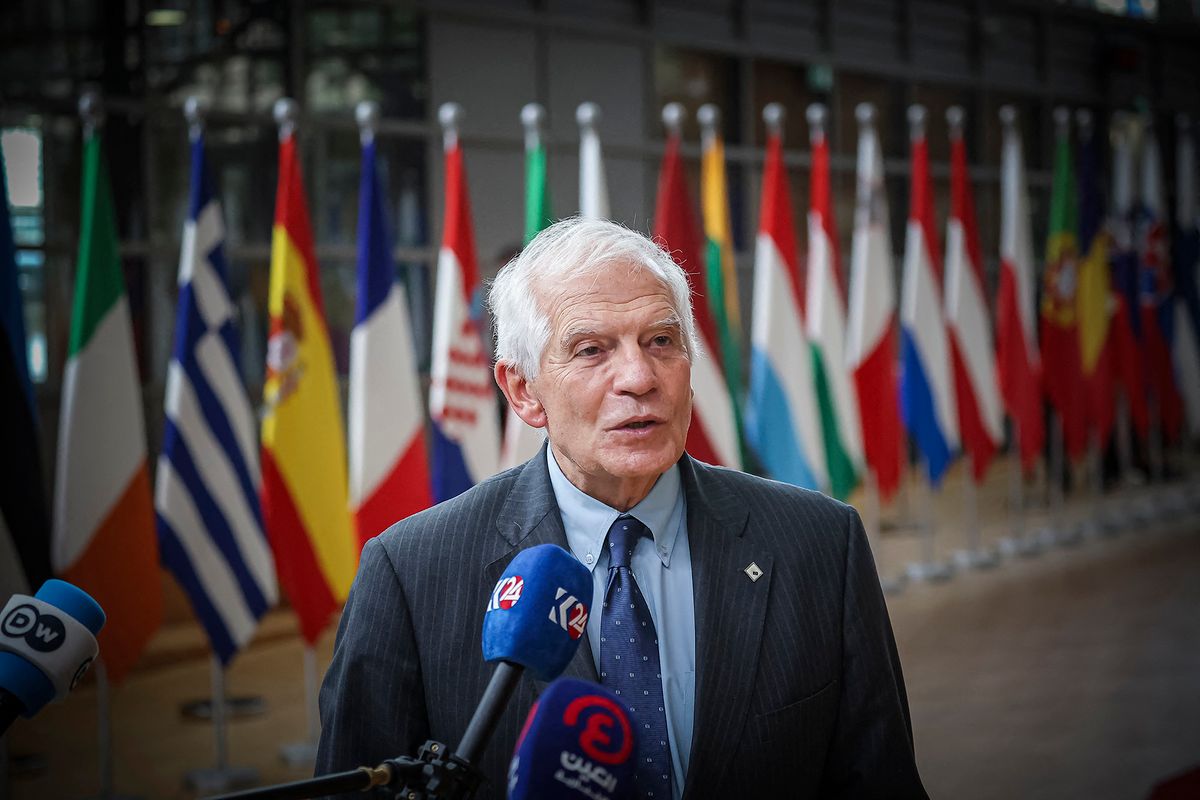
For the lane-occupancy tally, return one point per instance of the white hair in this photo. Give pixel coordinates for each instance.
(566, 250)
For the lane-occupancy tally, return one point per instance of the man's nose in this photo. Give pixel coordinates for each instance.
(635, 371)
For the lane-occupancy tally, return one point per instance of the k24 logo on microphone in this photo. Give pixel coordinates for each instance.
(41, 632)
(507, 593)
(570, 614)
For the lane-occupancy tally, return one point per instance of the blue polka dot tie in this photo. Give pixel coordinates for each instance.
(629, 662)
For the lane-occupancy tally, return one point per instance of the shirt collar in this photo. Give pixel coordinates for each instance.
(587, 520)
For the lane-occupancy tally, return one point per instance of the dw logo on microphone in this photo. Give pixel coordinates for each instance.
(507, 593)
(570, 614)
(41, 632)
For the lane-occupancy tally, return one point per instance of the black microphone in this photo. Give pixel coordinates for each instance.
(47, 643)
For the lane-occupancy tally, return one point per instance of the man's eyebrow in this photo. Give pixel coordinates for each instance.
(573, 333)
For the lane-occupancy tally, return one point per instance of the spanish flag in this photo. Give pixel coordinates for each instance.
(304, 494)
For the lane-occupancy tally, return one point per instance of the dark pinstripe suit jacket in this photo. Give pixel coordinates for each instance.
(798, 685)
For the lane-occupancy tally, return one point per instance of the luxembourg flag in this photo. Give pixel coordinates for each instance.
(926, 389)
(1018, 363)
(389, 472)
(462, 394)
(871, 337)
(713, 435)
(783, 422)
(980, 416)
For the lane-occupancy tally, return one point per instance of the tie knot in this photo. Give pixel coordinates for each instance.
(623, 537)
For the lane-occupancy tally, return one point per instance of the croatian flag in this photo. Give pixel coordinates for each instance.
(1128, 371)
(926, 389)
(979, 413)
(783, 422)
(462, 394)
(210, 526)
(389, 472)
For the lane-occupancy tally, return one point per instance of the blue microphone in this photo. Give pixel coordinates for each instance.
(534, 619)
(47, 643)
(578, 744)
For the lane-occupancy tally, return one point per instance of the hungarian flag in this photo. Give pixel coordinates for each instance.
(1186, 352)
(389, 470)
(462, 392)
(1094, 296)
(980, 416)
(720, 282)
(871, 337)
(713, 435)
(783, 423)
(926, 386)
(826, 324)
(522, 442)
(1018, 363)
(1128, 372)
(1059, 312)
(304, 495)
(24, 513)
(1157, 290)
(104, 540)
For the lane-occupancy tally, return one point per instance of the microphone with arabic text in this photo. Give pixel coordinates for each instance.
(47, 643)
(535, 617)
(578, 744)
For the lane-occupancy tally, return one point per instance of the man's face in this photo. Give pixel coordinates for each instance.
(615, 382)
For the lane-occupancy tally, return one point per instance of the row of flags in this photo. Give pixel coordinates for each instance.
(838, 371)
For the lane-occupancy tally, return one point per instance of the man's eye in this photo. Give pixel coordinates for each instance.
(589, 351)
(663, 340)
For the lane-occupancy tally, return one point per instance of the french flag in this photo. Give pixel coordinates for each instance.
(980, 415)
(389, 471)
(462, 394)
(927, 399)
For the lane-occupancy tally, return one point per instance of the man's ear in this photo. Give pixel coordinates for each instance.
(519, 395)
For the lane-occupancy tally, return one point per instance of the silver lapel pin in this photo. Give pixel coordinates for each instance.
(753, 571)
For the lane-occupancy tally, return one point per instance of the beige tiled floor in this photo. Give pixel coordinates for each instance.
(1073, 674)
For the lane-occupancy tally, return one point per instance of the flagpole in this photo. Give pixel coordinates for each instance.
(303, 753)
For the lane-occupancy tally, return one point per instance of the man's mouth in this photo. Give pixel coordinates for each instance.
(637, 425)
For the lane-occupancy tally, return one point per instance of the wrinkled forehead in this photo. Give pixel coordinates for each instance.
(558, 294)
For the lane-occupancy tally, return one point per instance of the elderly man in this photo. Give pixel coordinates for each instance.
(763, 662)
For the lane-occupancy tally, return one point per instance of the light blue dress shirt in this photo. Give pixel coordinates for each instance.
(663, 570)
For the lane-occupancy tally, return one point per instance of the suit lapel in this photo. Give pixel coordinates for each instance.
(530, 517)
(730, 611)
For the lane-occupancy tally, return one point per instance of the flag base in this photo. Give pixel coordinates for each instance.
(1023, 546)
(977, 558)
(929, 571)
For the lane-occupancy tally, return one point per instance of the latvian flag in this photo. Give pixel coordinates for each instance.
(462, 395)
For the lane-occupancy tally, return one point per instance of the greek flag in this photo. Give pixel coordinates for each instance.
(210, 527)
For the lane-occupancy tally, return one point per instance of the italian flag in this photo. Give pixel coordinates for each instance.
(104, 539)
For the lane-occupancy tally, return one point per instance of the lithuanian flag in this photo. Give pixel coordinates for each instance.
(104, 539)
(304, 495)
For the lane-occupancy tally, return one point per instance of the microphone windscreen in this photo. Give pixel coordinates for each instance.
(47, 642)
(577, 744)
(538, 611)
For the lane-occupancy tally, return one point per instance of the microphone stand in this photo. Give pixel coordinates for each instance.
(435, 774)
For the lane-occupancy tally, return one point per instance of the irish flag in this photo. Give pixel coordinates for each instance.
(926, 385)
(389, 471)
(980, 416)
(713, 436)
(1018, 364)
(783, 423)
(304, 496)
(871, 334)
(826, 323)
(103, 537)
